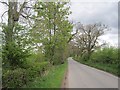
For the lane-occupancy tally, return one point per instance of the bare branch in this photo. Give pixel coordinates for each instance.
(27, 16)
(23, 16)
(88, 37)
(21, 9)
(72, 36)
(4, 3)
(29, 7)
(3, 15)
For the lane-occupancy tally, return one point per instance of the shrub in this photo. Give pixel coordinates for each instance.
(19, 77)
(14, 55)
(14, 78)
(106, 55)
(37, 69)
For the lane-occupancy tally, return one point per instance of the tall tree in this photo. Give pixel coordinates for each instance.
(88, 36)
(53, 28)
(11, 30)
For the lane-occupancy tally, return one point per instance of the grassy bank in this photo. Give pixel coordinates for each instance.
(111, 68)
(52, 79)
(105, 59)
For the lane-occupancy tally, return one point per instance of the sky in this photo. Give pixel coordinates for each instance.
(94, 11)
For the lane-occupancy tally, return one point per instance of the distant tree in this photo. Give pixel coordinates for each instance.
(88, 36)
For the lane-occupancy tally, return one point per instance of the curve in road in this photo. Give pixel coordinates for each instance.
(83, 76)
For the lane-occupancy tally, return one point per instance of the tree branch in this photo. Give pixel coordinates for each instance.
(3, 15)
(4, 3)
(72, 36)
(21, 9)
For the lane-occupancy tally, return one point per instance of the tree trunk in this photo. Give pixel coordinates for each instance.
(10, 27)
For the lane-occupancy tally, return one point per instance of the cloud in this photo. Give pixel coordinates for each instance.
(87, 11)
(112, 39)
(93, 12)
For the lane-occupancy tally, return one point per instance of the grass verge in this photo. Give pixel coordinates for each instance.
(53, 79)
(111, 68)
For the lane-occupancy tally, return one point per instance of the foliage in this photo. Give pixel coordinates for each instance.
(87, 39)
(14, 78)
(111, 68)
(13, 35)
(37, 68)
(15, 52)
(52, 29)
(105, 59)
(107, 55)
(19, 77)
(36, 57)
(26, 48)
(16, 55)
(52, 80)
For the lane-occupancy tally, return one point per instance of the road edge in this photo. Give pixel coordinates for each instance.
(64, 84)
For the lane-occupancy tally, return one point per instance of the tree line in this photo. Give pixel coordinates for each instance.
(35, 37)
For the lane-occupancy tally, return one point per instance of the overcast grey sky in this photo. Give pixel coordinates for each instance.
(92, 11)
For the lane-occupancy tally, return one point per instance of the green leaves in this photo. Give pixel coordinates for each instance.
(16, 55)
(106, 56)
(16, 51)
(52, 29)
(20, 77)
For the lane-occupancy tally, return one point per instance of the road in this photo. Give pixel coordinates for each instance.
(82, 76)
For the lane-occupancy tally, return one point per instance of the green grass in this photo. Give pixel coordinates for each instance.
(111, 68)
(52, 80)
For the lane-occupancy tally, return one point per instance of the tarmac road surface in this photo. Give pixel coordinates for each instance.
(82, 76)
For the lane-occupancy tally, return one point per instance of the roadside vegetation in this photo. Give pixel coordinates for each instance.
(34, 43)
(37, 39)
(52, 78)
(86, 48)
(105, 59)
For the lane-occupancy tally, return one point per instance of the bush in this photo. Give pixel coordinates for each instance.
(19, 77)
(14, 55)
(37, 69)
(14, 78)
(106, 55)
